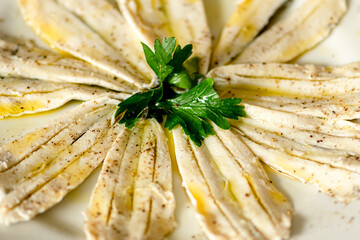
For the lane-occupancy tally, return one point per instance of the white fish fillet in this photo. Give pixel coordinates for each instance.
(277, 224)
(133, 197)
(280, 71)
(341, 128)
(334, 107)
(336, 182)
(107, 21)
(63, 30)
(183, 19)
(286, 40)
(320, 151)
(15, 151)
(313, 144)
(59, 163)
(313, 108)
(331, 157)
(26, 96)
(232, 194)
(247, 20)
(26, 60)
(307, 137)
(329, 92)
(290, 79)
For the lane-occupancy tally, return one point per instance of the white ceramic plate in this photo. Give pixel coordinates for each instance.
(316, 215)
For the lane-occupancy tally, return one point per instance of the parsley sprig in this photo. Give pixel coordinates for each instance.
(183, 94)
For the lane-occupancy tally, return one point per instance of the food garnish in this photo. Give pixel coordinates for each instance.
(192, 107)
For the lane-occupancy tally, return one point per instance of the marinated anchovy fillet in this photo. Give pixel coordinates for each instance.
(63, 30)
(282, 71)
(335, 182)
(297, 117)
(306, 134)
(286, 40)
(133, 197)
(17, 150)
(331, 92)
(233, 195)
(331, 127)
(148, 18)
(52, 163)
(334, 158)
(26, 60)
(107, 21)
(26, 96)
(313, 152)
(182, 18)
(247, 20)
(301, 133)
(344, 107)
(290, 80)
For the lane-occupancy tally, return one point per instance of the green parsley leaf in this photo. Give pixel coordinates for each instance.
(191, 110)
(180, 56)
(158, 61)
(188, 76)
(196, 128)
(180, 77)
(137, 104)
(165, 49)
(192, 67)
(181, 80)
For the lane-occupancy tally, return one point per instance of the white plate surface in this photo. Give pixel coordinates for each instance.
(316, 215)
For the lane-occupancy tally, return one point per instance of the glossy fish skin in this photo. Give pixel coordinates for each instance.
(184, 19)
(28, 61)
(64, 31)
(245, 23)
(232, 194)
(133, 197)
(27, 96)
(55, 164)
(289, 38)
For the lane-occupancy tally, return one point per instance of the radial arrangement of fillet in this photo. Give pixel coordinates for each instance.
(299, 117)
